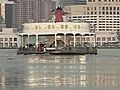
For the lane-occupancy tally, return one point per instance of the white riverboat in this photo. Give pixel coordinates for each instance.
(38, 36)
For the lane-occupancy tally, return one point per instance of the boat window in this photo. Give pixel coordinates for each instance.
(53, 27)
(66, 26)
(36, 26)
(75, 26)
(39, 27)
(62, 26)
(49, 27)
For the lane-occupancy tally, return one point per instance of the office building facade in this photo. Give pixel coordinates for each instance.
(104, 15)
(8, 38)
(71, 2)
(31, 11)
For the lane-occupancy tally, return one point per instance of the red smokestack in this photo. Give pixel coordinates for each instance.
(59, 14)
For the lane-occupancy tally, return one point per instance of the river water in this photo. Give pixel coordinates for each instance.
(63, 72)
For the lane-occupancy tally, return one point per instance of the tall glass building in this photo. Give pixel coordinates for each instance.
(6, 12)
(9, 15)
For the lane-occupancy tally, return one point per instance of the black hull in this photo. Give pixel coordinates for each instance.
(73, 53)
(29, 52)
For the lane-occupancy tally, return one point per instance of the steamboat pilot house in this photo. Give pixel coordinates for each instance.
(59, 33)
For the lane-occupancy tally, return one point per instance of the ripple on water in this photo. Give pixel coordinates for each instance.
(48, 72)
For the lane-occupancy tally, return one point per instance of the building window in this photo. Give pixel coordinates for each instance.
(87, 8)
(88, 38)
(103, 39)
(103, 12)
(1, 39)
(6, 44)
(117, 8)
(83, 38)
(114, 8)
(15, 44)
(98, 38)
(91, 8)
(87, 13)
(110, 13)
(103, 8)
(99, 12)
(107, 13)
(110, 8)
(114, 13)
(108, 38)
(89, 0)
(91, 13)
(98, 43)
(113, 38)
(6, 39)
(1, 44)
(94, 8)
(106, 8)
(74, 17)
(10, 44)
(15, 39)
(10, 39)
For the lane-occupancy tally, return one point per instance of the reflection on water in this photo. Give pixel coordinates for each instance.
(39, 71)
(56, 71)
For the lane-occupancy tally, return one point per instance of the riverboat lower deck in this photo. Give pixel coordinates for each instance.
(62, 51)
